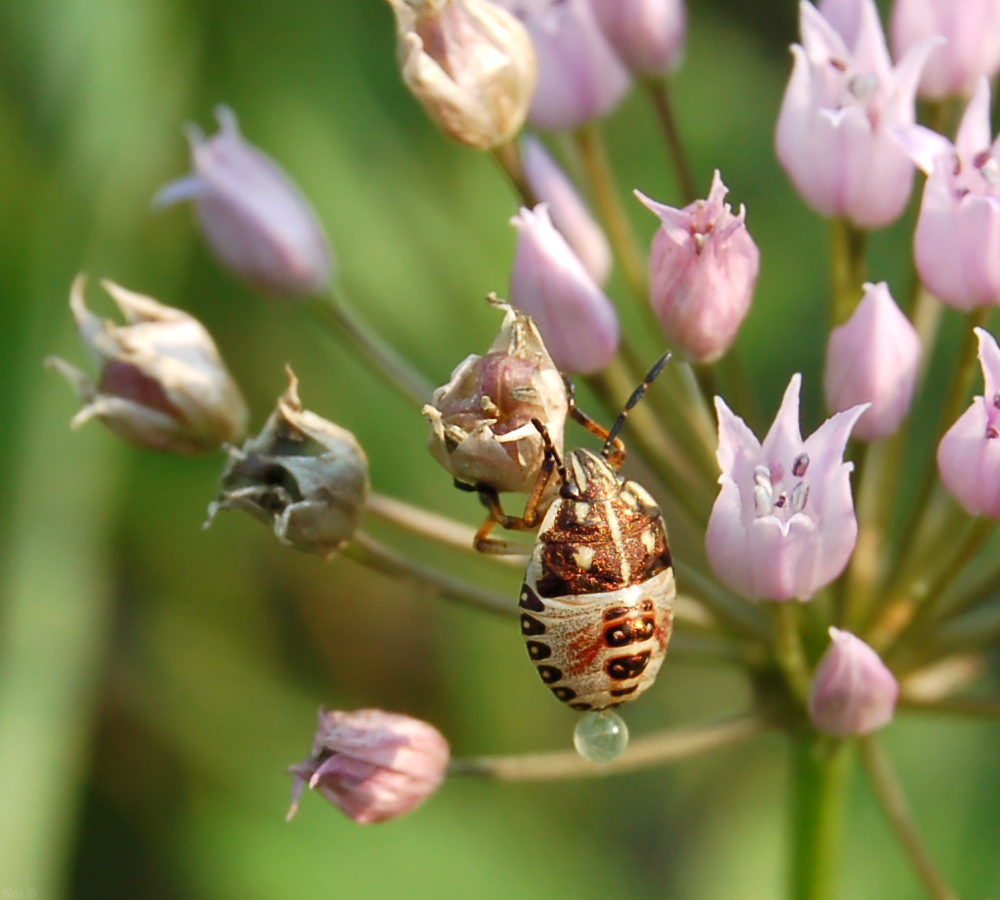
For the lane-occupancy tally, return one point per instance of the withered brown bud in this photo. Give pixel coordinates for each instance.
(160, 382)
(303, 475)
(481, 429)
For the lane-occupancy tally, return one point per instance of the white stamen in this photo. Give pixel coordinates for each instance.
(761, 500)
(862, 87)
(990, 172)
(801, 465)
(800, 497)
(762, 478)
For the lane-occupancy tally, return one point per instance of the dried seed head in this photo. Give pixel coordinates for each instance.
(303, 475)
(161, 384)
(481, 429)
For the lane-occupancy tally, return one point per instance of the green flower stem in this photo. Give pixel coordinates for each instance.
(654, 750)
(890, 797)
(788, 648)
(820, 768)
(508, 157)
(374, 351)
(386, 561)
(733, 613)
(847, 268)
(601, 180)
(658, 91)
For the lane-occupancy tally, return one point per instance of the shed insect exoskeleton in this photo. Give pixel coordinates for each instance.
(599, 590)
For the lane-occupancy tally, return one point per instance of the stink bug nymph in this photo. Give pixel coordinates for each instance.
(598, 595)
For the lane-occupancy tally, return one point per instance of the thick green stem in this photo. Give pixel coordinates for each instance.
(601, 179)
(658, 90)
(374, 351)
(788, 648)
(820, 768)
(508, 157)
(847, 268)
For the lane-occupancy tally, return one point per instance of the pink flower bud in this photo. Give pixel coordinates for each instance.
(161, 384)
(783, 524)
(250, 213)
(852, 691)
(957, 241)
(576, 320)
(702, 272)
(373, 765)
(873, 359)
(470, 64)
(647, 34)
(971, 29)
(579, 74)
(568, 211)
(834, 135)
(969, 454)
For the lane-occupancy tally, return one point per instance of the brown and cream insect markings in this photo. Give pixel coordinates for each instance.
(599, 590)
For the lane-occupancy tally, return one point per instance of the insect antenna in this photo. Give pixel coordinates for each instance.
(637, 395)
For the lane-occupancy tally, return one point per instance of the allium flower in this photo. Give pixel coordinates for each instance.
(481, 429)
(972, 49)
(579, 74)
(647, 34)
(834, 135)
(302, 475)
(568, 211)
(251, 214)
(549, 283)
(873, 358)
(702, 272)
(852, 691)
(783, 524)
(968, 456)
(161, 383)
(957, 241)
(373, 765)
(471, 65)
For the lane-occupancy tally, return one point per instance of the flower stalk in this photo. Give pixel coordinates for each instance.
(659, 93)
(848, 270)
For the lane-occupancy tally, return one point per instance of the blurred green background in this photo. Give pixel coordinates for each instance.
(155, 679)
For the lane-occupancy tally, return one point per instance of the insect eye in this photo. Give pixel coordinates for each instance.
(568, 492)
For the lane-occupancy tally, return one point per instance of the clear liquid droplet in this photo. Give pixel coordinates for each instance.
(600, 737)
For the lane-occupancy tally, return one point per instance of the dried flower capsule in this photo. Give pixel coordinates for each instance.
(548, 281)
(161, 383)
(371, 764)
(580, 77)
(968, 456)
(852, 692)
(783, 525)
(971, 29)
(251, 214)
(480, 421)
(873, 358)
(470, 63)
(303, 475)
(703, 268)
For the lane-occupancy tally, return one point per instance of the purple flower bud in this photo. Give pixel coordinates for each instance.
(305, 477)
(252, 216)
(579, 74)
(161, 383)
(373, 765)
(969, 454)
(852, 691)
(568, 211)
(481, 428)
(957, 241)
(783, 524)
(972, 49)
(471, 65)
(834, 136)
(702, 272)
(873, 359)
(547, 281)
(647, 34)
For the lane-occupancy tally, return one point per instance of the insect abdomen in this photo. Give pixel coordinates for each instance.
(599, 650)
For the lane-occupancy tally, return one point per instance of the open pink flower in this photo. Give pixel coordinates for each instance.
(783, 525)
(373, 765)
(957, 241)
(834, 135)
(969, 454)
